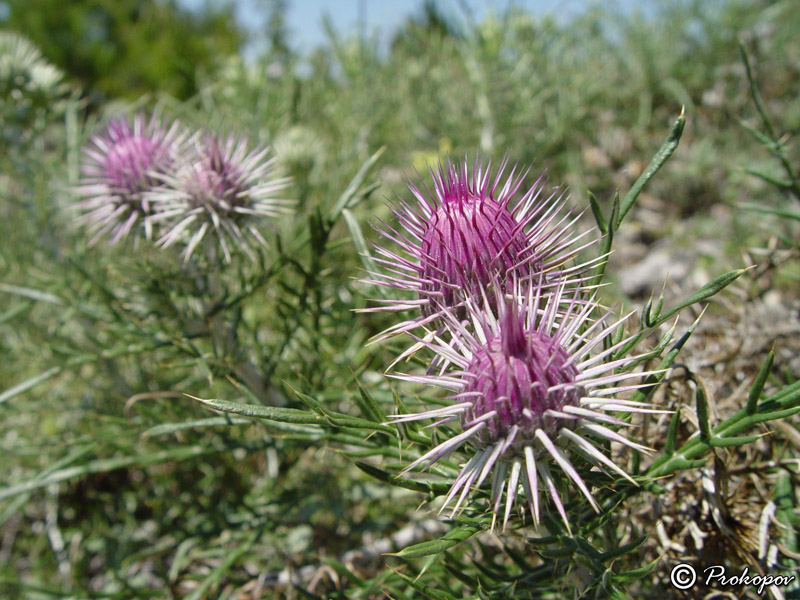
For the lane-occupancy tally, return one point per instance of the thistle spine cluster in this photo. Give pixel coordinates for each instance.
(518, 338)
(177, 187)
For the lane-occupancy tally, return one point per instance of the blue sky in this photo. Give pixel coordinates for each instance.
(305, 16)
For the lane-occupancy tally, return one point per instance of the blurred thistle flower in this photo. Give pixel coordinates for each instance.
(468, 231)
(529, 386)
(23, 69)
(122, 165)
(223, 191)
(300, 149)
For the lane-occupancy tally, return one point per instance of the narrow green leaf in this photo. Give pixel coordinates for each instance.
(771, 141)
(14, 311)
(214, 578)
(727, 442)
(711, 288)
(310, 402)
(614, 592)
(652, 380)
(622, 550)
(272, 413)
(370, 407)
(606, 243)
(342, 570)
(701, 408)
(342, 420)
(759, 137)
(769, 416)
(168, 428)
(59, 592)
(31, 293)
(758, 384)
(292, 415)
(614, 220)
(751, 80)
(786, 214)
(785, 503)
(111, 464)
(459, 572)
(598, 214)
(449, 540)
(771, 179)
(677, 464)
(29, 383)
(663, 154)
(305, 593)
(359, 242)
(429, 592)
(350, 194)
(519, 556)
(411, 484)
(73, 456)
(633, 575)
(566, 550)
(180, 558)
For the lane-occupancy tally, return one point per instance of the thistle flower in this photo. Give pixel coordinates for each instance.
(468, 231)
(224, 191)
(528, 387)
(122, 165)
(24, 69)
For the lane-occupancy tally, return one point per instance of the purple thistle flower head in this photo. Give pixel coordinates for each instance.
(220, 182)
(224, 191)
(529, 387)
(518, 377)
(470, 236)
(123, 164)
(468, 231)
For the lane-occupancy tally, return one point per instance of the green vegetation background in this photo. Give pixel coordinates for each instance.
(112, 482)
